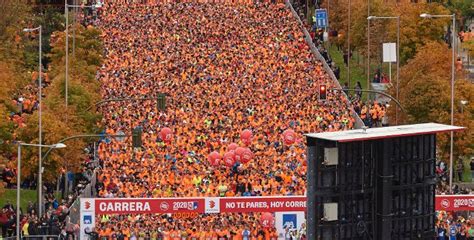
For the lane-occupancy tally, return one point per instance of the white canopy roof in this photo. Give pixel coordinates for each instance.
(384, 132)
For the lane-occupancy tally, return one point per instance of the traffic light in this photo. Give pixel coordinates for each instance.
(161, 105)
(137, 137)
(322, 92)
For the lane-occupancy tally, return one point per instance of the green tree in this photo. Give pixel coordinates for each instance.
(51, 20)
(464, 9)
(83, 87)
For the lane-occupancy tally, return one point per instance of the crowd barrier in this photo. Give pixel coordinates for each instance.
(89, 191)
(93, 206)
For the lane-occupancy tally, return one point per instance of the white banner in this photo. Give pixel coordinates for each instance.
(389, 52)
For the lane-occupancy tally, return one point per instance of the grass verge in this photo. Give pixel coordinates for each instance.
(25, 197)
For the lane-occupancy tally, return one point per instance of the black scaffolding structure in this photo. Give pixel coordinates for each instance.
(373, 183)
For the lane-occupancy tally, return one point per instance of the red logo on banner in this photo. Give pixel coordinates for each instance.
(212, 204)
(445, 203)
(87, 205)
(164, 206)
(148, 205)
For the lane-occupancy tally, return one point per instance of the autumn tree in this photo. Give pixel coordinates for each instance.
(339, 21)
(60, 121)
(8, 78)
(425, 93)
(18, 61)
(13, 16)
(416, 31)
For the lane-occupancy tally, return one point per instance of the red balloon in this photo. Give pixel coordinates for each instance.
(232, 147)
(214, 158)
(246, 142)
(267, 220)
(238, 154)
(246, 136)
(246, 156)
(289, 137)
(166, 134)
(229, 159)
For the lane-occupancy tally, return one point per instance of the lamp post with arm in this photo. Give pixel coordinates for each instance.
(398, 58)
(349, 46)
(40, 130)
(18, 179)
(453, 43)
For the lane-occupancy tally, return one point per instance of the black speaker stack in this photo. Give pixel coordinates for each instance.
(376, 188)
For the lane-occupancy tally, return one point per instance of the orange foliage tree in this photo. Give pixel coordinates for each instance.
(425, 93)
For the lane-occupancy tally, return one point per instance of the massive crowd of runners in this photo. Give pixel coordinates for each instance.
(224, 69)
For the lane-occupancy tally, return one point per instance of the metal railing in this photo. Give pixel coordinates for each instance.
(74, 209)
(87, 192)
(358, 121)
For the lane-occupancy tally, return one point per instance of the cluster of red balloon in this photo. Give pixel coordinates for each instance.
(243, 155)
(235, 153)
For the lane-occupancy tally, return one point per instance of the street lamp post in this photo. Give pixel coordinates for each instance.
(368, 45)
(18, 179)
(398, 57)
(66, 13)
(40, 129)
(453, 42)
(368, 49)
(349, 47)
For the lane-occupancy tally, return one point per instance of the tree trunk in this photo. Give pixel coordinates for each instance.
(461, 23)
